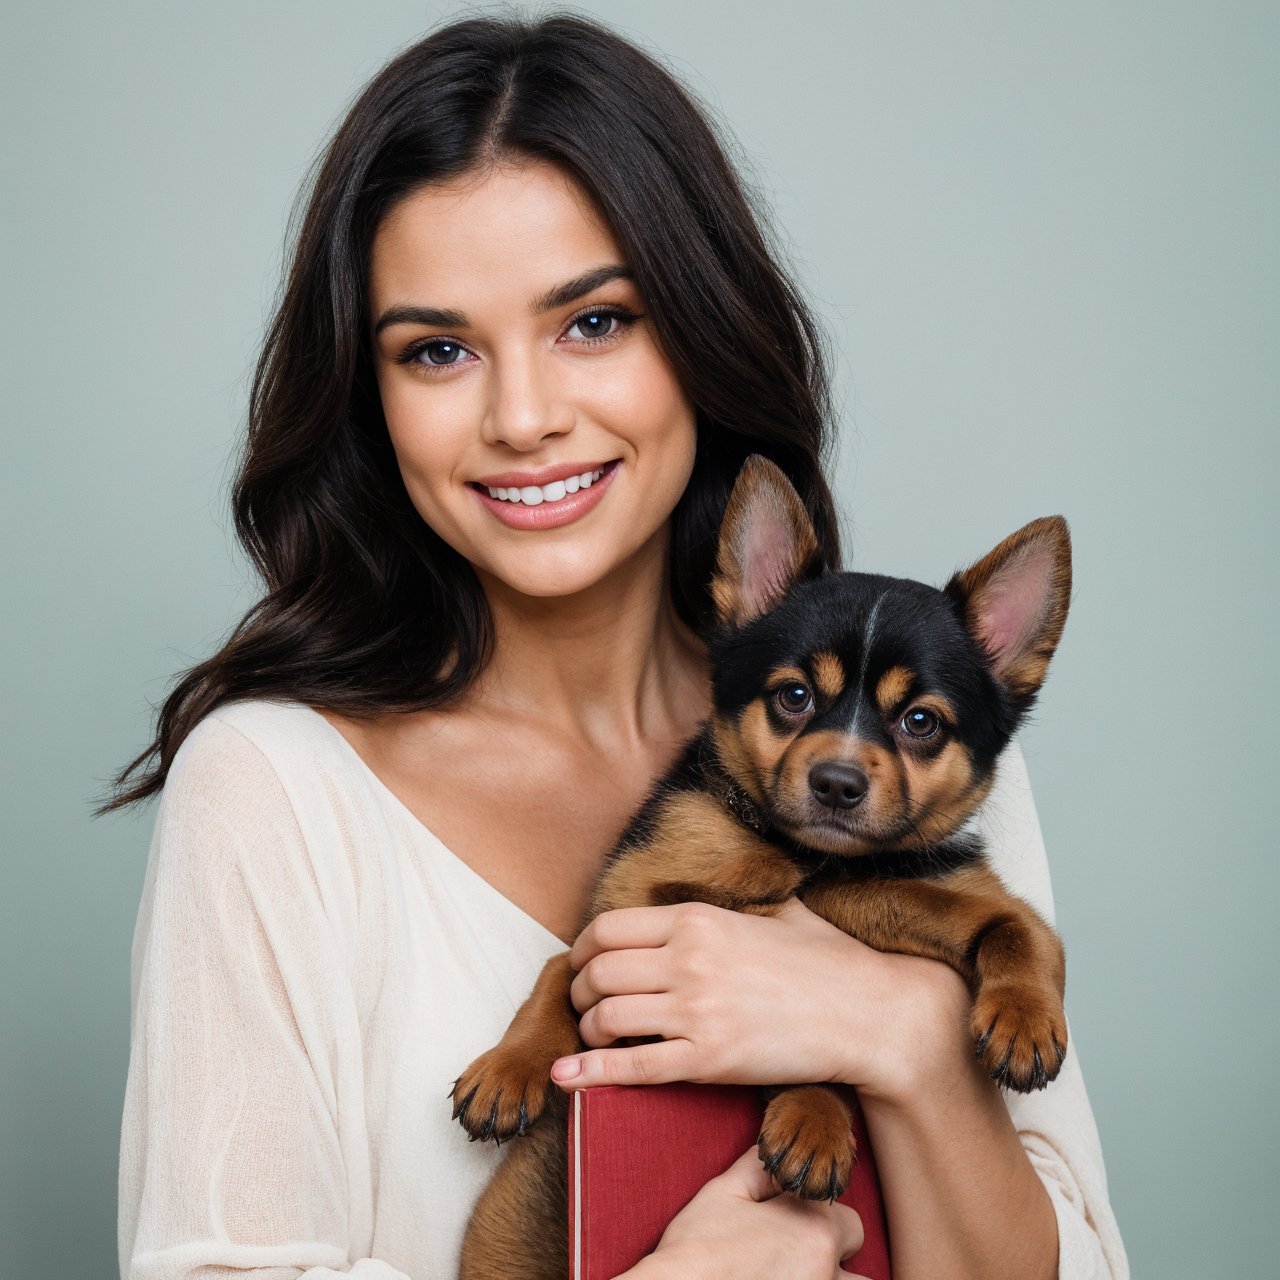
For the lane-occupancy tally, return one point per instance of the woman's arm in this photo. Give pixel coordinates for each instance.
(244, 1048)
(961, 1197)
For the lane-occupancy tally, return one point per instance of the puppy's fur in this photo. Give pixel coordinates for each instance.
(856, 727)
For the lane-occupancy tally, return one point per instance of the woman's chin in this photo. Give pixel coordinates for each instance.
(550, 578)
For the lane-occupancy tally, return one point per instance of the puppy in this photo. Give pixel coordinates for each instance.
(856, 726)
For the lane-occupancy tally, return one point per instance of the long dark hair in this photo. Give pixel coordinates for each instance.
(366, 609)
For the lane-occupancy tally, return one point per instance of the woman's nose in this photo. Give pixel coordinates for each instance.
(525, 401)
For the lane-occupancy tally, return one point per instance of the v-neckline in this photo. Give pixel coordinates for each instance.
(421, 828)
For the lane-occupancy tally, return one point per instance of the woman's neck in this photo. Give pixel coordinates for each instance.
(612, 665)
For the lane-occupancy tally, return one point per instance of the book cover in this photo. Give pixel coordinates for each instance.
(638, 1155)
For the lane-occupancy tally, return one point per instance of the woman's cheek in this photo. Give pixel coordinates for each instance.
(429, 441)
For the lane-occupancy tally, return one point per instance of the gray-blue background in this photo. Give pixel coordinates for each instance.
(1044, 240)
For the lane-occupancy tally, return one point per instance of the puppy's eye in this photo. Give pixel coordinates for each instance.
(794, 697)
(919, 723)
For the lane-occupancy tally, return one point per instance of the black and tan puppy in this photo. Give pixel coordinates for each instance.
(856, 727)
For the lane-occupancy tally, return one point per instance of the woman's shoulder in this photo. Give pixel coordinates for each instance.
(257, 756)
(255, 736)
(271, 725)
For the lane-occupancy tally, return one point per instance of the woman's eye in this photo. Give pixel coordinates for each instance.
(596, 324)
(601, 324)
(440, 351)
(920, 723)
(794, 698)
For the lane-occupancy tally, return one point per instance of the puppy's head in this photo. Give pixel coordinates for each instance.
(864, 713)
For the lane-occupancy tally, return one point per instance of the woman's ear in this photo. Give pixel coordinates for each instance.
(1014, 603)
(767, 543)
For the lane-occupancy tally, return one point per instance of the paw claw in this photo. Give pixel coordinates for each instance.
(461, 1106)
(503, 1093)
(491, 1120)
(980, 1046)
(771, 1162)
(1022, 1041)
(800, 1179)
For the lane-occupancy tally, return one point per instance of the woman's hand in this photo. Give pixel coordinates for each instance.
(744, 999)
(739, 1226)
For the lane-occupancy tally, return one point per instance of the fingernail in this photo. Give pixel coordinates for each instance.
(566, 1068)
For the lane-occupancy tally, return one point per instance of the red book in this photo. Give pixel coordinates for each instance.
(638, 1155)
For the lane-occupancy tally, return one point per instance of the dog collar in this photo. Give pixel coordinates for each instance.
(739, 803)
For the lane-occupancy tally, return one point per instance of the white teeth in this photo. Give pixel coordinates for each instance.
(531, 495)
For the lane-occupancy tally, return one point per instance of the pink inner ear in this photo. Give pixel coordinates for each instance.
(1009, 608)
(768, 558)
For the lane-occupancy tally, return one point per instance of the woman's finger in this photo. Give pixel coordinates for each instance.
(617, 1017)
(749, 1178)
(657, 1063)
(634, 971)
(849, 1233)
(625, 927)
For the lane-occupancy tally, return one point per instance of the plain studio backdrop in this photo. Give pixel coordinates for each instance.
(1043, 241)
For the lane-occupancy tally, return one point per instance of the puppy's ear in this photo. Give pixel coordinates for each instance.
(1014, 603)
(767, 543)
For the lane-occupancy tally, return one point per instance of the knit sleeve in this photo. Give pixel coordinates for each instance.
(1056, 1124)
(243, 1148)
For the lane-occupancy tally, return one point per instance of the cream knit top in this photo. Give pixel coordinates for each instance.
(311, 970)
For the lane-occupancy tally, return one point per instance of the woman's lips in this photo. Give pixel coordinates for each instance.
(549, 515)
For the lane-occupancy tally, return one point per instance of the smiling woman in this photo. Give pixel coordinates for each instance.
(526, 370)
(523, 351)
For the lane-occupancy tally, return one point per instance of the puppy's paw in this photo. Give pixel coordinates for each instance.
(501, 1094)
(1020, 1034)
(807, 1143)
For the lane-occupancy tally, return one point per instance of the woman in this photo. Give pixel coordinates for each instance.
(531, 329)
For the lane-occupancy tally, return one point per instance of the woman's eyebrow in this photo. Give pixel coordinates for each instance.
(572, 290)
(560, 296)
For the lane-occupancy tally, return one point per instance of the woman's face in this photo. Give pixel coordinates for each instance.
(513, 353)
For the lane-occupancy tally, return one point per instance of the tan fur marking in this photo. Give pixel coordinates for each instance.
(732, 750)
(828, 675)
(936, 703)
(892, 687)
(785, 674)
(750, 749)
(761, 741)
(695, 843)
(941, 791)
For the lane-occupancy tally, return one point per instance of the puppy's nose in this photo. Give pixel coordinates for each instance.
(839, 786)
